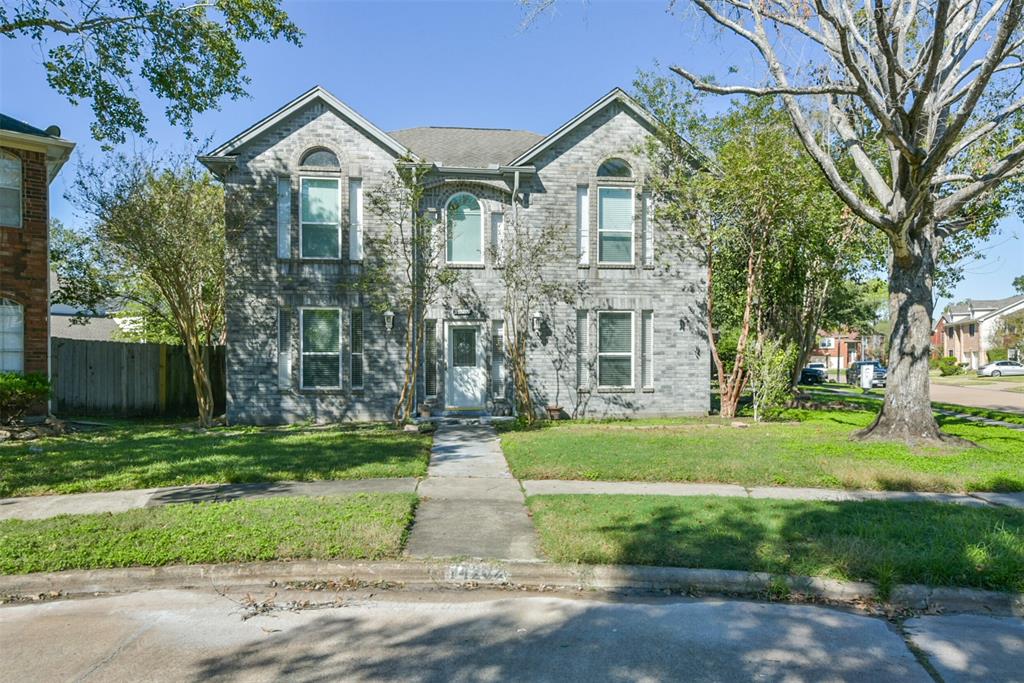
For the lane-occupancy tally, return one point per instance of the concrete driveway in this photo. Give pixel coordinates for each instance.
(471, 636)
(979, 397)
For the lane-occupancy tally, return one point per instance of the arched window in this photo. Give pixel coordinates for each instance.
(614, 168)
(321, 158)
(12, 337)
(10, 190)
(465, 229)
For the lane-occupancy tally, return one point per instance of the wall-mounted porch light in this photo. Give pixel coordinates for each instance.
(389, 321)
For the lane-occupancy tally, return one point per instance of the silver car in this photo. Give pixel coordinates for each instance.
(1001, 367)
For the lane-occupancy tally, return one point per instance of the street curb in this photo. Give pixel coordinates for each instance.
(537, 576)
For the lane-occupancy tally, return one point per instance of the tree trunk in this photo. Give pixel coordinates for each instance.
(201, 382)
(906, 413)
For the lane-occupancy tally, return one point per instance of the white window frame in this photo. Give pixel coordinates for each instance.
(284, 218)
(20, 189)
(351, 352)
(583, 371)
(583, 224)
(284, 348)
(483, 233)
(632, 226)
(647, 349)
(302, 347)
(618, 354)
(355, 219)
(302, 224)
(647, 225)
(20, 308)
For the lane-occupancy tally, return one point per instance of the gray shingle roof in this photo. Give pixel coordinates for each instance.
(15, 126)
(983, 304)
(466, 147)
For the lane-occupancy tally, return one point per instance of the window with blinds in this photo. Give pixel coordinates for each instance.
(284, 218)
(647, 349)
(615, 349)
(284, 356)
(582, 349)
(356, 346)
(498, 359)
(430, 358)
(10, 190)
(465, 229)
(355, 219)
(615, 225)
(12, 336)
(320, 214)
(321, 348)
(583, 224)
(648, 229)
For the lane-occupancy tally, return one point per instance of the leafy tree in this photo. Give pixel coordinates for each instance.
(771, 362)
(1018, 284)
(404, 267)
(188, 53)
(155, 240)
(1009, 333)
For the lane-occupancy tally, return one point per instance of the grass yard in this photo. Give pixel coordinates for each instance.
(364, 526)
(885, 543)
(812, 449)
(134, 455)
(971, 379)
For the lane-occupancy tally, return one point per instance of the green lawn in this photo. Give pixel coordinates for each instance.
(885, 543)
(875, 396)
(144, 455)
(971, 379)
(813, 449)
(364, 526)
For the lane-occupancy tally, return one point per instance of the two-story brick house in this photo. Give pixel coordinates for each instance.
(30, 158)
(303, 343)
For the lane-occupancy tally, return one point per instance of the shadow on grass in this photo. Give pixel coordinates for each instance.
(144, 456)
(882, 542)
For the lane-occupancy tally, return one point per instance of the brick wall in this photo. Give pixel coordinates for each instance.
(23, 258)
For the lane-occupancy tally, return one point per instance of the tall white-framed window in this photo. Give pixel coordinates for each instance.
(583, 224)
(498, 359)
(615, 233)
(430, 358)
(647, 349)
(320, 218)
(647, 227)
(284, 355)
(356, 349)
(465, 230)
(284, 218)
(583, 349)
(12, 336)
(10, 190)
(355, 219)
(320, 342)
(497, 234)
(615, 349)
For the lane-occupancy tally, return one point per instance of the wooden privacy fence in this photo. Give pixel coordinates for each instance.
(121, 378)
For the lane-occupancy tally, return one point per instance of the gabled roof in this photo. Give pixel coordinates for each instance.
(983, 304)
(313, 94)
(466, 147)
(20, 134)
(615, 95)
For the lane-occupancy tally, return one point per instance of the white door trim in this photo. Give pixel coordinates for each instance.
(476, 376)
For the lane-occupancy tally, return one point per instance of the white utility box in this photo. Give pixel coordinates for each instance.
(867, 376)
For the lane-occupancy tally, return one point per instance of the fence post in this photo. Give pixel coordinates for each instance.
(163, 379)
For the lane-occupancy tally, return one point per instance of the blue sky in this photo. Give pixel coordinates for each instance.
(404, 64)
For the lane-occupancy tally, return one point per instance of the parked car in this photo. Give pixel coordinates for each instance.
(1001, 367)
(814, 375)
(853, 373)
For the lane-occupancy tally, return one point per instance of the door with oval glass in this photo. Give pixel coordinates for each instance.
(466, 376)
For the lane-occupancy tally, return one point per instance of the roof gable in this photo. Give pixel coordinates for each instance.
(466, 147)
(317, 93)
(616, 95)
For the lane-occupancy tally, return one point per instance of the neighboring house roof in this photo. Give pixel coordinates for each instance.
(315, 93)
(979, 309)
(466, 147)
(95, 329)
(17, 133)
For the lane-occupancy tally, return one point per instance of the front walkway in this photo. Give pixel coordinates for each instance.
(470, 505)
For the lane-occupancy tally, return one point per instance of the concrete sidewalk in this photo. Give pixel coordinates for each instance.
(470, 505)
(41, 507)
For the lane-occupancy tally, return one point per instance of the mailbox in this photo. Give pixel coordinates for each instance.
(867, 376)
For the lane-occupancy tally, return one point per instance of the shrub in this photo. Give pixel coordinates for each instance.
(948, 365)
(18, 393)
(770, 365)
(997, 354)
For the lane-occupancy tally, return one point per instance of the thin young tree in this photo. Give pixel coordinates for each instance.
(159, 225)
(404, 268)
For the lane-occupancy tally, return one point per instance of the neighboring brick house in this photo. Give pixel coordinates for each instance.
(30, 158)
(303, 343)
(969, 326)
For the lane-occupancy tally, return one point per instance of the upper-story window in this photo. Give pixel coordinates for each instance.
(323, 158)
(615, 225)
(614, 168)
(10, 190)
(320, 218)
(465, 229)
(12, 336)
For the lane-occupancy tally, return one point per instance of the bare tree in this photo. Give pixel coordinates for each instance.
(404, 267)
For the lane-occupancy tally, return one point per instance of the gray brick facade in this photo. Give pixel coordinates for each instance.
(265, 293)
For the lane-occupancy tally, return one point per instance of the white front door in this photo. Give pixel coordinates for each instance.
(466, 377)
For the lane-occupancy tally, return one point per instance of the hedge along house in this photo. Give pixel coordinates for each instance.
(304, 343)
(30, 159)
